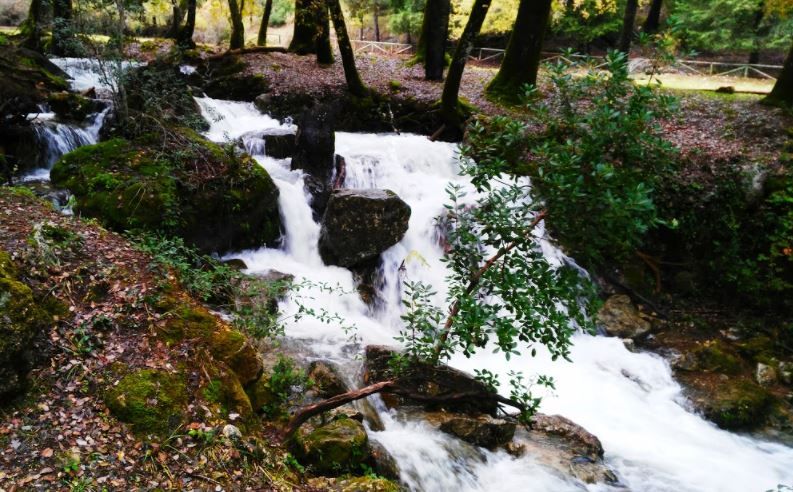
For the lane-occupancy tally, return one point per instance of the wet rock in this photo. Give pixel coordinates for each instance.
(481, 430)
(236, 264)
(72, 107)
(335, 448)
(279, 146)
(629, 344)
(429, 382)
(385, 465)
(565, 446)
(314, 152)
(765, 375)
(731, 403)
(619, 317)
(786, 372)
(21, 321)
(327, 378)
(711, 356)
(358, 225)
(237, 87)
(263, 102)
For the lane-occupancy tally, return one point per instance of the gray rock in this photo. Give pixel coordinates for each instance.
(358, 225)
(232, 432)
(765, 374)
(619, 317)
(279, 146)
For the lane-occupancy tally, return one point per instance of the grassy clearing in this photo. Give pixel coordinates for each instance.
(709, 83)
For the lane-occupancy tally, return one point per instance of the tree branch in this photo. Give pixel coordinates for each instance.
(477, 276)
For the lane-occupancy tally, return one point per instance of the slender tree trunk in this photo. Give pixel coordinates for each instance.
(179, 10)
(268, 8)
(434, 33)
(522, 57)
(237, 40)
(354, 82)
(31, 28)
(628, 21)
(653, 20)
(782, 93)
(376, 22)
(449, 103)
(185, 38)
(307, 29)
(62, 29)
(757, 33)
(324, 49)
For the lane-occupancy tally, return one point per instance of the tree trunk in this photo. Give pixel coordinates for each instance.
(268, 8)
(185, 37)
(376, 22)
(757, 33)
(434, 33)
(179, 10)
(653, 20)
(450, 110)
(522, 57)
(782, 93)
(31, 28)
(324, 49)
(628, 21)
(354, 82)
(237, 40)
(307, 31)
(62, 30)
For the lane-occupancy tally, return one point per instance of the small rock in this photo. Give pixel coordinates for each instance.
(263, 101)
(619, 317)
(629, 344)
(786, 372)
(765, 374)
(482, 430)
(236, 264)
(726, 89)
(232, 432)
(327, 378)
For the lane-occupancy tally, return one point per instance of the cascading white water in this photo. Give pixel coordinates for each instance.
(91, 73)
(629, 400)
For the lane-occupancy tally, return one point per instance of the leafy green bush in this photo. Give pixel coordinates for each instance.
(594, 151)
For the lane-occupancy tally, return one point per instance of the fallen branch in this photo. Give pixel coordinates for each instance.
(390, 387)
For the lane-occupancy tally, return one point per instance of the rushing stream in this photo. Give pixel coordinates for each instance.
(629, 400)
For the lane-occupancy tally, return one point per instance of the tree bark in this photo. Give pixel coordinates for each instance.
(31, 28)
(268, 8)
(449, 104)
(185, 37)
(757, 33)
(62, 31)
(522, 57)
(434, 33)
(307, 31)
(628, 21)
(782, 93)
(324, 49)
(376, 17)
(353, 78)
(237, 40)
(653, 20)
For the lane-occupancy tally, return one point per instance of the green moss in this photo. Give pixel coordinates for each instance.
(338, 447)
(739, 404)
(150, 400)
(263, 399)
(209, 196)
(70, 105)
(225, 391)
(368, 484)
(716, 356)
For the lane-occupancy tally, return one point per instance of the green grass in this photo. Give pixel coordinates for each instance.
(709, 83)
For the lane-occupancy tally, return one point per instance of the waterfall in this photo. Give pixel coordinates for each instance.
(91, 73)
(629, 400)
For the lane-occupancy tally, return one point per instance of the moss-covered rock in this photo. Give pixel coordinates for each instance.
(716, 356)
(335, 448)
(238, 87)
(71, 106)
(150, 400)
(21, 320)
(737, 404)
(225, 390)
(354, 484)
(211, 197)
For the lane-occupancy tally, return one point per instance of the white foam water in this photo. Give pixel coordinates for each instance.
(629, 400)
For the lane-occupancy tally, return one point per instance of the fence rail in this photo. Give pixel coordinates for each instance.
(492, 55)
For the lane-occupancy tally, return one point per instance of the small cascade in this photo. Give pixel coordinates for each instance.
(90, 73)
(629, 400)
(57, 138)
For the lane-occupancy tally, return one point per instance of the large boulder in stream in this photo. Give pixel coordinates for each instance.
(358, 225)
(214, 198)
(338, 447)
